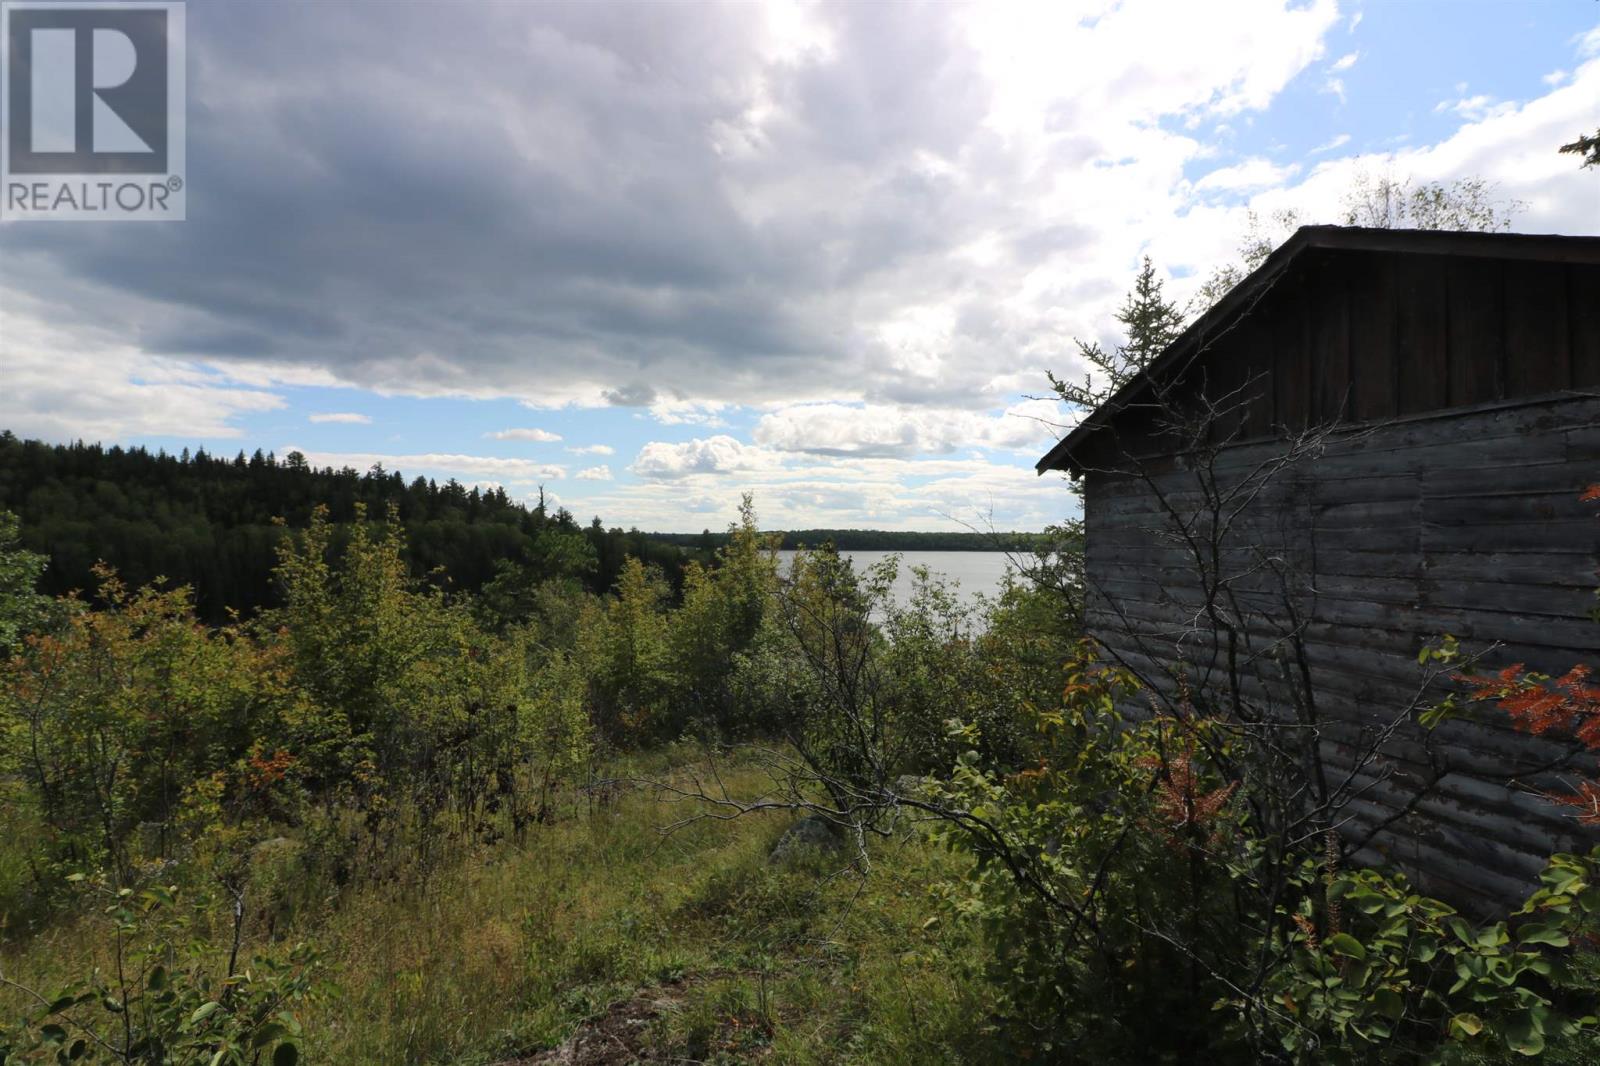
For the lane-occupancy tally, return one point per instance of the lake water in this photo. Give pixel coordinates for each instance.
(977, 573)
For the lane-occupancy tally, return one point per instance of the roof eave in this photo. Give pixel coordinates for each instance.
(1354, 238)
(1060, 456)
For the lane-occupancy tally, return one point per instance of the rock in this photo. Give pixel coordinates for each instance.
(812, 833)
(274, 854)
(276, 876)
(911, 786)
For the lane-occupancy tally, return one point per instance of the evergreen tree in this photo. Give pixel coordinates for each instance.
(1586, 148)
(208, 522)
(1152, 322)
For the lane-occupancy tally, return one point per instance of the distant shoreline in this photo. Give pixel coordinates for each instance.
(875, 540)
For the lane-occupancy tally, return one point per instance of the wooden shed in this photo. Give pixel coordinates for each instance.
(1399, 425)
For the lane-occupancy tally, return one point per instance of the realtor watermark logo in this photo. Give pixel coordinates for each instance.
(92, 105)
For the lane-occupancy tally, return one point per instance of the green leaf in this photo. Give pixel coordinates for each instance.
(267, 1034)
(1346, 945)
(1432, 717)
(1389, 1003)
(204, 1011)
(1492, 936)
(1524, 1035)
(1547, 933)
(1464, 1026)
(286, 1054)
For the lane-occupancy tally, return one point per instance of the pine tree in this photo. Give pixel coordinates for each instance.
(1586, 148)
(1152, 322)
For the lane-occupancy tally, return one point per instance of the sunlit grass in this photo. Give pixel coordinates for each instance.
(508, 948)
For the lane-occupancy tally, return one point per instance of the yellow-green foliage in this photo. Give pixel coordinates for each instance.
(21, 608)
(410, 711)
(108, 720)
(624, 649)
(555, 734)
(721, 614)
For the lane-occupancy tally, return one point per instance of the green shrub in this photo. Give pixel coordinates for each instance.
(1123, 878)
(162, 998)
(723, 612)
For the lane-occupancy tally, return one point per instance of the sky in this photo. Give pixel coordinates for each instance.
(652, 256)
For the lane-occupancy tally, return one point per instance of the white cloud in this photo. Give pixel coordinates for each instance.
(594, 473)
(853, 461)
(714, 455)
(796, 491)
(593, 449)
(1252, 174)
(540, 435)
(1332, 83)
(1476, 108)
(688, 412)
(1556, 77)
(904, 432)
(856, 203)
(63, 382)
(1333, 144)
(1511, 146)
(466, 468)
(342, 417)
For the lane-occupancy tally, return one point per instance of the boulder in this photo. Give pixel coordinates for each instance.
(812, 833)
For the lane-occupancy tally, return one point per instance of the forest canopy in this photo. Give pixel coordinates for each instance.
(209, 522)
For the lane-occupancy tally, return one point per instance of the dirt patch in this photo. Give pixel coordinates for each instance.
(621, 1034)
(613, 1039)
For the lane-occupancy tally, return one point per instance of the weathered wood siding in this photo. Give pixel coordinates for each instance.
(1463, 521)
(1369, 336)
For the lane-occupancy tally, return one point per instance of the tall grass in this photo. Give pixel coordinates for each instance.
(509, 948)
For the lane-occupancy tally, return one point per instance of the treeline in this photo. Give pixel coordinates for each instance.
(876, 540)
(211, 522)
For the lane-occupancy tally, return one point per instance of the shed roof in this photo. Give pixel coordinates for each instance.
(1242, 297)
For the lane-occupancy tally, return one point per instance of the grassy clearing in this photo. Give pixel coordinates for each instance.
(691, 946)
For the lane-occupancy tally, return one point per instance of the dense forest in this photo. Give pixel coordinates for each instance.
(211, 523)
